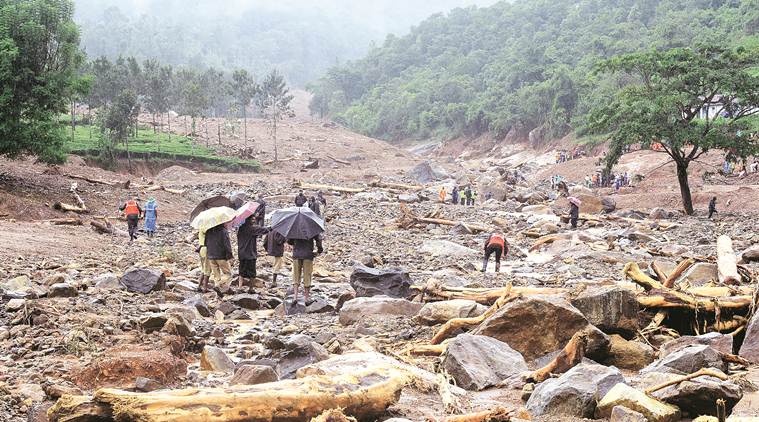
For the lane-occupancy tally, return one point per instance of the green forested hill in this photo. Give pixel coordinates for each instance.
(524, 65)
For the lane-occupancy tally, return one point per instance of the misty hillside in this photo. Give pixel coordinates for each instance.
(518, 66)
(299, 37)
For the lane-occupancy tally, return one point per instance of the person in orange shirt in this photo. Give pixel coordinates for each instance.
(132, 211)
(496, 244)
(442, 194)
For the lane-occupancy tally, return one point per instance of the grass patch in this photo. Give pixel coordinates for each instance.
(159, 146)
(592, 141)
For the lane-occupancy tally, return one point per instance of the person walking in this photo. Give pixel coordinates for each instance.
(468, 195)
(442, 194)
(247, 245)
(205, 266)
(574, 212)
(322, 200)
(712, 206)
(300, 200)
(474, 196)
(313, 205)
(495, 244)
(455, 195)
(274, 243)
(219, 252)
(132, 211)
(303, 264)
(151, 216)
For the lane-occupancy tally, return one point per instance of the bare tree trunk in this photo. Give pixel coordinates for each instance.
(245, 125)
(205, 124)
(129, 158)
(89, 118)
(155, 129)
(274, 131)
(682, 179)
(218, 129)
(73, 119)
(168, 122)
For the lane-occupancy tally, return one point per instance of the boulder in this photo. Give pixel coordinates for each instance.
(107, 281)
(299, 351)
(750, 347)
(623, 414)
(246, 300)
(355, 309)
(146, 384)
(319, 306)
(143, 280)
(612, 309)
(14, 305)
(120, 366)
(54, 279)
(440, 312)
(659, 214)
(609, 204)
(538, 325)
(62, 290)
(409, 198)
(198, 303)
(214, 359)
(460, 229)
(153, 322)
(19, 288)
(629, 354)
(624, 395)
(426, 173)
(687, 361)
(718, 341)
(575, 392)
(253, 374)
(537, 210)
(390, 282)
(446, 248)
(750, 255)
(33, 392)
(479, 362)
(700, 273)
(179, 325)
(698, 396)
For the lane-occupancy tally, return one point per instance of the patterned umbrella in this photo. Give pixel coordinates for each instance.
(575, 200)
(243, 213)
(213, 217)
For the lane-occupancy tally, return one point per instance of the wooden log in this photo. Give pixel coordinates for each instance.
(546, 239)
(727, 268)
(701, 372)
(568, 358)
(398, 186)
(78, 409)
(312, 186)
(164, 188)
(65, 221)
(364, 394)
(408, 219)
(669, 282)
(435, 291)
(337, 160)
(61, 206)
(660, 274)
(90, 180)
(458, 323)
(429, 349)
(498, 414)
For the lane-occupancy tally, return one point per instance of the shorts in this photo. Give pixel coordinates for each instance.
(248, 268)
(279, 262)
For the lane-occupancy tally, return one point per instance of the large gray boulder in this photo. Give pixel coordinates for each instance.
(700, 273)
(214, 359)
(537, 325)
(613, 309)
(354, 310)
(62, 290)
(687, 361)
(299, 351)
(380, 282)
(440, 312)
(253, 374)
(697, 396)
(479, 362)
(426, 173)
(575, 393)
(629, 354)
(718, 341)
(750, 347)
(143, 280)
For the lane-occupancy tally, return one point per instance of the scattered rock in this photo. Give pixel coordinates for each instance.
(143, 280)
(718, 341)
(253, 374)
(575, 392)
(687, 361)
(380, 282)
(624, 395)
(19, 288)
(146, 384)
(319, 306)
(700, 273)
(62, 290)
(408, 198)
(478, 362)
(659, 214)
(153, 322)
(629, 354)
(623, 414)
(299, 351)
(750, 255)
(246, 300)
(354, 310)
(33, 392)
(440, 312)
(179, 325)
(446, 248)
(609, 204)
(698, 396)
(108, 281)
(538, 325)
(199, 304)
(750, 347)
(612, 309)
(214, 359)
(14, 305)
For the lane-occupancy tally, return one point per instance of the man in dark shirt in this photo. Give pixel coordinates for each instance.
(303, 264)
(247, 240)
(712, 206)
(218, 253)
(275, 247)
(300, 200)
(313, 204)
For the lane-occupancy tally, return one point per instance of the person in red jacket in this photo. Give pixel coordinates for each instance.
(496, 244)
(132, 211)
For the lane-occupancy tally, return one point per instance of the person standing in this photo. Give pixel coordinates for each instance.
(132, 211)
(151, 216)
(247, 244)
(495, 244)
(322, 200)
(205, 266)
(712, 206)
(303, 264)
(455, 195)
(474, 196)
(574, 213)
(313, 205)
(275, 247)
(442, 194)
(300, 200)
(468, 195)
(219, 252)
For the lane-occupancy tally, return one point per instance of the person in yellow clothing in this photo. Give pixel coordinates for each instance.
(205, 267)
(442, 194)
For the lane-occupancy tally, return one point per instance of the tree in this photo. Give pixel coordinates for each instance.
(666, 102)
(39, 57)
(274, 101)
(119, 119)
(243, 89)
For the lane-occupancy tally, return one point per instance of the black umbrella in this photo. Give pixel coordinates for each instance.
(212, 202)
(297, 223)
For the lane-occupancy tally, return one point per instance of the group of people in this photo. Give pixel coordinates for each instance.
(459, 196)
(602, 180)
(729, 168)
(317, 204)
(215, 251)
(134, 212)
(564, 156)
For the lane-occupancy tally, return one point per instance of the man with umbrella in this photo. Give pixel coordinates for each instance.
(302, 228)
(215, 247)
(247, 243)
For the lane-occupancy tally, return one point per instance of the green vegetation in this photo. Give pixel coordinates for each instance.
(39, 56)
(523, 66)
(158, 145)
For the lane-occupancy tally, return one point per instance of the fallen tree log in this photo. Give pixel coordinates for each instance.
(435, 291)
(62, 206)
(337, 160)
(364, 394)
(498, 414)
(105, 227)
(164, 188)
(398, 186)
(727, 263)
(65, 221)
(90, 180)
(78, 409)
(457, 323)
(571, 355)
(312, 186)
(701, 372)
(669, 282)
(408, 220)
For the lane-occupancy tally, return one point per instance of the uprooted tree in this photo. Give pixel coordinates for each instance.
(687, 100)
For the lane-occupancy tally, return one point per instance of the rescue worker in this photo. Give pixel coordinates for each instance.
(496, 244)
(455, 195)
(300, 200)
(320, 197)
(442, 194)
(474, 196)
(274, 243)
(712, 206)
(219, 252)
(132, 211)
(303, 264)
(468, 195)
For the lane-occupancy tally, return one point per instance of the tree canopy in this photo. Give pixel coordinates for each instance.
(39, 59)
(523, 66)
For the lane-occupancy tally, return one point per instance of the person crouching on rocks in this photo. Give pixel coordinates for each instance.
(496, 244)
